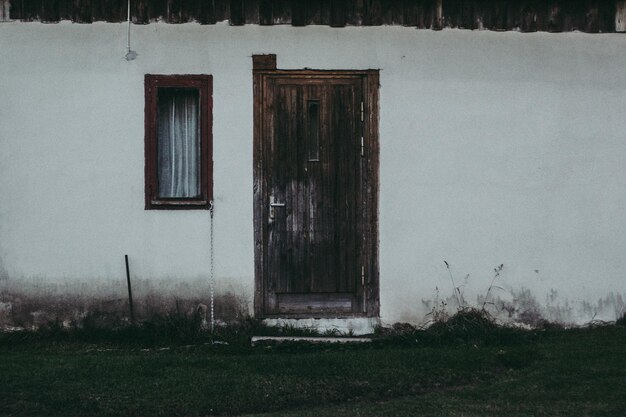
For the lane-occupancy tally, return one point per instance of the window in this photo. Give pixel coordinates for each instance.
(179, 165)
(313, 131)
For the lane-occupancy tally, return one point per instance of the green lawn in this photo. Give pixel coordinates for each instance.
(550, 373)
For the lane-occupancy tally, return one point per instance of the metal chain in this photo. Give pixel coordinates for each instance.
(212, 277)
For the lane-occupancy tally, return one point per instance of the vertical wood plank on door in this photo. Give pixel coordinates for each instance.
(372, 185)
(343, 190)
(259, 188)
(326, 206)
(353, 141)
(334, 193)
(299, 259)
(287, 194)
(311, 138)
(277, 225)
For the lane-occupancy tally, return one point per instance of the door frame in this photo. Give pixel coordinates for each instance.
(264, 67)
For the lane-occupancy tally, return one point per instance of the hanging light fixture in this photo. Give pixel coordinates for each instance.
(130, 54)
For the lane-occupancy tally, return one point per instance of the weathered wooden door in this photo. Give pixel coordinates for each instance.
(314, 200)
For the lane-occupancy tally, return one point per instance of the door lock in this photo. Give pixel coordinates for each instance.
(273, 205)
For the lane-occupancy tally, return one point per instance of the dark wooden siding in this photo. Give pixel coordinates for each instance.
(4, 10)
(521, 15)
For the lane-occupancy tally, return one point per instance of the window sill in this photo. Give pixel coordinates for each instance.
(179, 205)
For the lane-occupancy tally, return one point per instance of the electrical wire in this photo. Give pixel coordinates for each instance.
(130, 54)
(128, 18)
(212, 276)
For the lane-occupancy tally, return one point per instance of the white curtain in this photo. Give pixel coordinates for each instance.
(179, 143)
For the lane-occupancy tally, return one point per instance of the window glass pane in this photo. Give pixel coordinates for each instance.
(313, 130)
(178, 142)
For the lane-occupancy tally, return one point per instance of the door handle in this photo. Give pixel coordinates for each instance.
(273, 205)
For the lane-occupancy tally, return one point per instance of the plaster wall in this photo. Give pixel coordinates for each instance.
(496, 148)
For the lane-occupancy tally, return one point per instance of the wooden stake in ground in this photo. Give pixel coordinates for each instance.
(130, 292)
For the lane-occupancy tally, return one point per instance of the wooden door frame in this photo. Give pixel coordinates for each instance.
(264, 66)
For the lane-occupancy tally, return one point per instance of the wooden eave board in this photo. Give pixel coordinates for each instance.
(591, 16)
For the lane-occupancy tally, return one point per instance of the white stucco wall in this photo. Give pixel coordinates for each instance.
(496, 148)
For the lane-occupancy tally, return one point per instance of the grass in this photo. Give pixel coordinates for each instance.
(574, 373)
(453, 370)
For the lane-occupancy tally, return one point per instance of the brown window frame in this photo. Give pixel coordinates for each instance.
(204, 83)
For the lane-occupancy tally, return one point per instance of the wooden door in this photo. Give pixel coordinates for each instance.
(313, 201)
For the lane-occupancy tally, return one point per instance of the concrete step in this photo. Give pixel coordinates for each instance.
(308, 339)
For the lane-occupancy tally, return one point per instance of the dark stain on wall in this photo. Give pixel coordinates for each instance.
(28, 309)
(521, 306)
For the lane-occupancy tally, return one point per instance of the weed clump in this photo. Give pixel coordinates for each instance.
(470, 327)
(473, 327)
(466, 326)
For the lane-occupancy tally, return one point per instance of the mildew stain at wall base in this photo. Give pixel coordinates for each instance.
(522, 306)
(36, 303)
(33, 303)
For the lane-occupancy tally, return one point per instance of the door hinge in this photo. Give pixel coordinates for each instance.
(362, 275)
(362, 113)
(362, 146)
